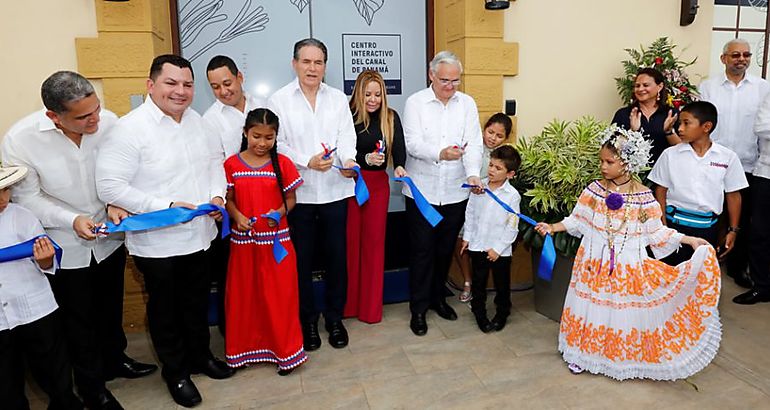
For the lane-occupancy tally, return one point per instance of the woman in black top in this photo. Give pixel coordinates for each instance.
(649, 112)
(380, 139)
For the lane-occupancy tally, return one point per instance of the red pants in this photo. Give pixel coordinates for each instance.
(366, 249)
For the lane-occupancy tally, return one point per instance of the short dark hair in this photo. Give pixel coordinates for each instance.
(222, 61)
(510, 157)
(157, 64)
(659, 79)
(502, 119)
(310, 42)
(704, 111)
(62, 88)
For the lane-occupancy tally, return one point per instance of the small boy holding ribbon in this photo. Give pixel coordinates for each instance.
(627, 315)
(28, 325)
(488, 237)
(695, 177)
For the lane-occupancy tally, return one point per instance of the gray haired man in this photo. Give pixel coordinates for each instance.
(59, 146)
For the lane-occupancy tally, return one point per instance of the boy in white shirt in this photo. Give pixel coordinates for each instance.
(695, 177)
(489, 234)
(28, 325)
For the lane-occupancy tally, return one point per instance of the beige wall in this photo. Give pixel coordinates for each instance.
(570, 52)
(37, 37)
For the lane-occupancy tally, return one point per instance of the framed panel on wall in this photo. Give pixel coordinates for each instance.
(390, 36)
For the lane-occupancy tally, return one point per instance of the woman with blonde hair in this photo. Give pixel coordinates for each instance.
(380, 140)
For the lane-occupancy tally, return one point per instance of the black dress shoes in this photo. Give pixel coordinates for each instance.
(103, 400)
(130, 369)
(499, 321)
(184, 392)
(338, 335)
(444, 310)
(418, 324)
(484, 324)
(751, 297)
(310, 336)
(214, 369)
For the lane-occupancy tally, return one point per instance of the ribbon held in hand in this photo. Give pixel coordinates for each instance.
(24, 250)
(164, 218)
(362, 192)
(547, 255)
(279, 252)
(426, 209)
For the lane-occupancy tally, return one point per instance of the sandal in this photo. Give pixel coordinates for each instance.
(465, 295)
(575, 369)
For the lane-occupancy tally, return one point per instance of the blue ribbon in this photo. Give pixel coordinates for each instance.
(279, 252)
(547, 255)
(24, 250)
(362, 192)
(426, 209)
(165, 217)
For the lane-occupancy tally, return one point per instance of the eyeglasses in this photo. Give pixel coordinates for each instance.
(445, 82)
(737, 55)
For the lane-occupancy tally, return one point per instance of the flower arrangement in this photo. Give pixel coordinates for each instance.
(660, 56)
(631, 146)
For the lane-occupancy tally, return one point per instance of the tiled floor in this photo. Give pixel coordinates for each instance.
(456, 366)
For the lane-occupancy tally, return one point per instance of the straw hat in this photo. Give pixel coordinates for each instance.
(11, 175)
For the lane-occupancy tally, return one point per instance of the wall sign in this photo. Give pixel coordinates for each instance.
(378, 52)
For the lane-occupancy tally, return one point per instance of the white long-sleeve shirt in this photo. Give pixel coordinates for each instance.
(429, 127)
(762, 129)
(149, 161)
(227, 122)
(60, 184)
(737, 106)
(488, 225)
(303, 130)
(25, 294)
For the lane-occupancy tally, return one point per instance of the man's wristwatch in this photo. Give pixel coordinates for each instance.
(733, 229)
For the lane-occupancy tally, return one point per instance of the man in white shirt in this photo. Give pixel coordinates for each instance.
(443, 145)
(227, 115)
(226, 118)
(159, 156)
(59, 145)
(315, 117)
(737, 96)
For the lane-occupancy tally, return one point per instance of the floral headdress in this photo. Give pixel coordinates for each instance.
(631, 146)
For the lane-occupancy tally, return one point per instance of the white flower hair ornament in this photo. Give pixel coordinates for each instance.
(631, 146)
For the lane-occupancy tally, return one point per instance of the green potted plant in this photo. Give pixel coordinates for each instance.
(556, 166)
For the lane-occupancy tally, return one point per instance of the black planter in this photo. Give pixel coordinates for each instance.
(549, 296)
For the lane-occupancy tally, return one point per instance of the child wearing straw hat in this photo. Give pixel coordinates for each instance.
(28, 326)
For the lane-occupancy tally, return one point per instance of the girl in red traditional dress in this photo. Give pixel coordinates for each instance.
(262, 300)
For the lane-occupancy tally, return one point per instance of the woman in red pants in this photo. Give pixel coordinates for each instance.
(380, 140)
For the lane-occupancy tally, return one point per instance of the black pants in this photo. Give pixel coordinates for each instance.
(711, 234)
(759, 250)
(431, 253)
(220, 253)
(331, 220)
(177, 310)
(91, 304)
(738, 258)
(39, 344)
(501, 276)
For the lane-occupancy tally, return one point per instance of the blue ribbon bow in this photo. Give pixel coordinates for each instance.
(426, 209)
(24, 250)
(547, 255)
(165, 217)
(362, 192)
(279, 252)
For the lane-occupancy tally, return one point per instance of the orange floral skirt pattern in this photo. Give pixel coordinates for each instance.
(646, 320)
